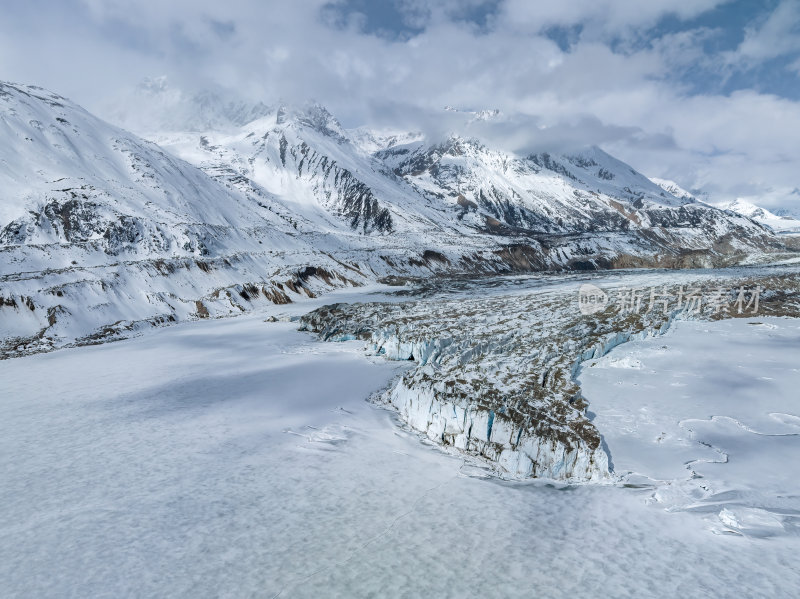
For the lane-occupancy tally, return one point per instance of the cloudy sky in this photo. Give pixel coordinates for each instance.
(704, 92)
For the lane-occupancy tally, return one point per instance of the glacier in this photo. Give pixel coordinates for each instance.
(496, 369)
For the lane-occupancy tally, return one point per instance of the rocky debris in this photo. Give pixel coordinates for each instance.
(495, 375)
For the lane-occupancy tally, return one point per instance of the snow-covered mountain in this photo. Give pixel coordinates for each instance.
(793, 213)
(778, 223)
(71, 179)
(102, 232)
(406, 189)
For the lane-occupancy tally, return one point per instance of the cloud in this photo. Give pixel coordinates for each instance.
(600, 17)
(614, 77)
(776, 35)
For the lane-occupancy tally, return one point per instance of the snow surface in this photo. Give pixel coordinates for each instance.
(238, 458)
(708, 417)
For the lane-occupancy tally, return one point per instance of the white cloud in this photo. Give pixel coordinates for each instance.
(601, 17)
(777, 35)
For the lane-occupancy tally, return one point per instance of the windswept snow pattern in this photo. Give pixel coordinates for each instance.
(706, 419)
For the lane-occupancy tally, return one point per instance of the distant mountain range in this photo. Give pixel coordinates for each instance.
(780, 223)
(102, 232)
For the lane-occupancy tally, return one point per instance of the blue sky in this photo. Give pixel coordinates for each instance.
(704, 92)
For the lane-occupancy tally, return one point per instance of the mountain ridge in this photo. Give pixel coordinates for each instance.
(103, 232)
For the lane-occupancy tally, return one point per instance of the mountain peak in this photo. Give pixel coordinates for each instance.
(317, 117)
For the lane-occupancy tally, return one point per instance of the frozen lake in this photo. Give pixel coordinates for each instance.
(239, 458)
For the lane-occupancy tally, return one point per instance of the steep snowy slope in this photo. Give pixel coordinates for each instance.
(71, 179)
(543, 193)
(101, 231)
(331, 183)
(672, 188)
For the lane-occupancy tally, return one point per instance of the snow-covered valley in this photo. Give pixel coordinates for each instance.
(239, 457)
(399, 299)
(172, 422)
